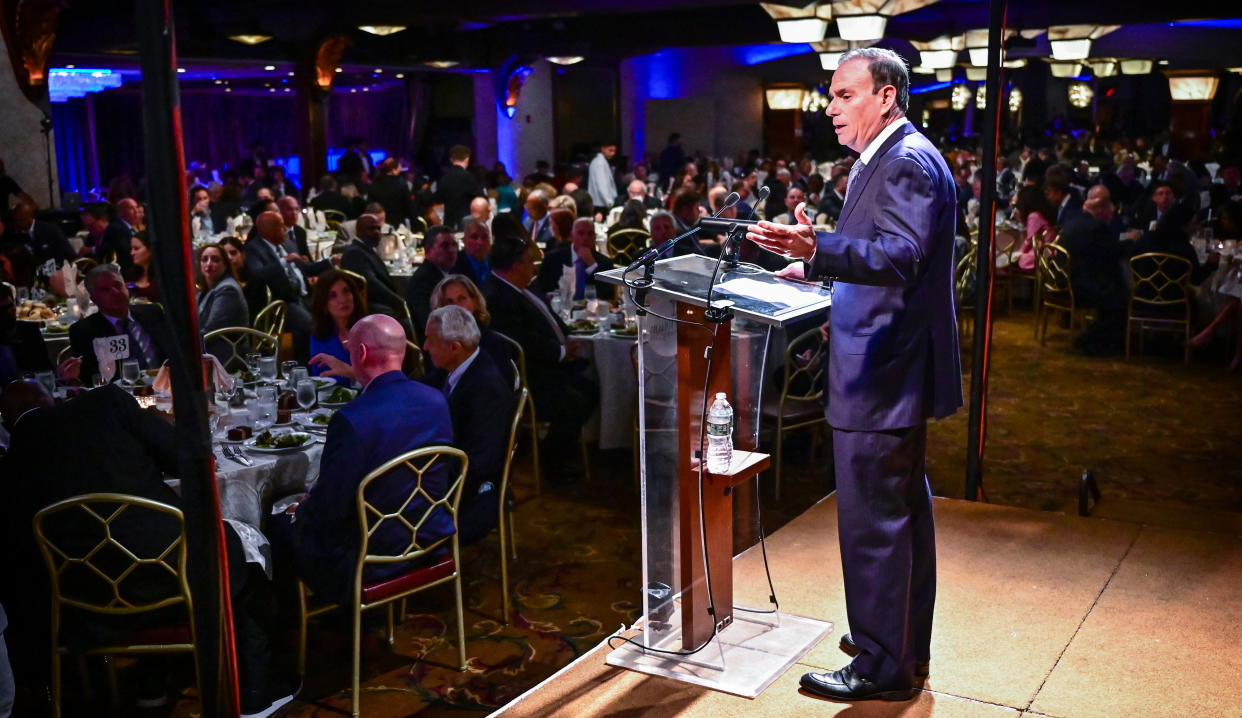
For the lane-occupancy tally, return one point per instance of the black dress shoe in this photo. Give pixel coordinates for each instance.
(849, 648)
(846, 685)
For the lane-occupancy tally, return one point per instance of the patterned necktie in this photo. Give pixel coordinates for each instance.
(140, 340)
(849, 183)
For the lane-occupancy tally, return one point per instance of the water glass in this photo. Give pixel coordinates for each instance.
(306, 393)
(129, 371)
(297, 375)
(267, 368)
(252, 362)
(287, 367)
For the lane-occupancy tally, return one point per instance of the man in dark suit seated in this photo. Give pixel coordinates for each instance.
(1061, 195)
(391, 416)
(563, 395)
(1097, 273)
(123, 228)
(834, 199)
(117, 448)
(1150, 211)
(143, 327)
(580, 255)
(477, 243)
(362, 257)
(290, 211)
(537, 223)
(330, 198)
(273, 258)
(440, 256)
(44, 239)
(481, 403)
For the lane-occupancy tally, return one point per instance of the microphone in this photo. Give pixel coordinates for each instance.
(655, 252)
(762, 195)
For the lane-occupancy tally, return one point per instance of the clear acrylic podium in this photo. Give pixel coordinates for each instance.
(741, 650)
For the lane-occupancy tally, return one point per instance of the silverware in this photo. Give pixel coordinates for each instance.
(234, 454)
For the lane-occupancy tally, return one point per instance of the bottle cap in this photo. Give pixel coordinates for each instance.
(720, 395)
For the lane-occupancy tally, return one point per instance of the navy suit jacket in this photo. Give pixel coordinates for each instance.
(893, 355)
(392, 416)
(481, 406)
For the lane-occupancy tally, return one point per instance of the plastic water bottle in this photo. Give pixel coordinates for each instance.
(719, 435)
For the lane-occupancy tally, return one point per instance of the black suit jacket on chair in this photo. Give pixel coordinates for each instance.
(555, 262)
(84, 332)
(514, 315)
(382, 294)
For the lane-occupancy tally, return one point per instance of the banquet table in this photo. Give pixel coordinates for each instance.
(246, 492)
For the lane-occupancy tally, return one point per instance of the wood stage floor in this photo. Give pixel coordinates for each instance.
(1038, 614)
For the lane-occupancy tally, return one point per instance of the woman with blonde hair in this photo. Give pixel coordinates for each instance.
(460, 290)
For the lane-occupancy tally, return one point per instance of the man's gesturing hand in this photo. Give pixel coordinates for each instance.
(791, 240)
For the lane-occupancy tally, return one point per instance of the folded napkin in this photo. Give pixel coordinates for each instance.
(231, 223)
(222, 379)
(70, 273)
(568, 284)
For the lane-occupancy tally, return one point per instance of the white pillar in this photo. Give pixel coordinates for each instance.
(21, 139)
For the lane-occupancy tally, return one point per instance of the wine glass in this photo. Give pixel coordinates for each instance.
(252, 362)
(267, 368)
(306, 394)
(129, 372)
(298, 374)
(287, 367)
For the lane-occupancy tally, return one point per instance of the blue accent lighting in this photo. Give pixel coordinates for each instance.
(1228, 24)
(929, 88)
(759, 54)
(64, 83)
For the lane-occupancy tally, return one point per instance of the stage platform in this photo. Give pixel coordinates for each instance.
(1039, 614)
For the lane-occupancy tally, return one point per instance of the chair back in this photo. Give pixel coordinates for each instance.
(519, 359)
(514, 424)
(804, 368)
(271, 320)
(84, 265)
(83, 543)
(1160, 281)
(239, 341)
(964, 278)
(413, 365)
(1053, 273)
(625, 244)
(424, 465)
(333, 217)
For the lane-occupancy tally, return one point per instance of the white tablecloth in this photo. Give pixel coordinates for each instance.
(245, 491)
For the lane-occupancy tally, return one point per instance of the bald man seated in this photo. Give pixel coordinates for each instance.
(391, 416)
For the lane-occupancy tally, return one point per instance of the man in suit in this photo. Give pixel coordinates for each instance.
(290, 211)
(637, 189)
(580, 255)
(362, 257)
(457, 186)
(893, 363)
(391, 192)
(279, 184)
(329, 197)
(563, 395)
(144, 326)
(440, 252)
(391, 416)
(119, 448)
(473, 262)
(1061, 195)
(481, 404)
(44, 240)
(538, 224)
(273, 259)
(1097, 274)
(834, 198)
(1151, 211)
(123, 228)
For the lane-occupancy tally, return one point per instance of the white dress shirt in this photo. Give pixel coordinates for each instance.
(450, 383)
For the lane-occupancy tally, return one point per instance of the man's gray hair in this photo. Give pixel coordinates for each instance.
(887, 68)
(98, 271)
(456, 325)
(662, 213)
(469, 221)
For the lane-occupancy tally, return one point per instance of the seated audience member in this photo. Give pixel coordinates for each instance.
(663, 227)
(1036, 215)
(290, 213)
(221, 302)
(142, 282)
(580, 255)
(473, 261)
(255, 291)
(21, 345)
(1065, 201)
(561, 222)
(508, 225)
(272, 258)
(338, 303)
(144, 325)
(636, 191)
(1171, 236)
(200, 209)
(95, 220)
(440, 252)
(1149, 212)
(633, 214)
(362, 257)
(537, 223)
(563, 395)
(794, 197)
(481, 404)
(329, 197)
(118, 448)
(458, 290)
(481, 209)
(1097, 274)
(44, 240)
(391, 416)
(116, 240)
(834, 198)
(687, 209)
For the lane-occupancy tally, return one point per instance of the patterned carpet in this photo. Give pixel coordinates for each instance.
(1153, 430)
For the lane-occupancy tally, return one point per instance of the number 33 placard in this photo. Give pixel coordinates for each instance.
(116, 347)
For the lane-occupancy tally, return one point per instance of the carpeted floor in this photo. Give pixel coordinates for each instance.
(1159, 436)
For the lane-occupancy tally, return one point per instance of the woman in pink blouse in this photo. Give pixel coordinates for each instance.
(1034, 211)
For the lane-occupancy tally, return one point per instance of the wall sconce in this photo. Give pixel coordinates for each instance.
(960, 97)
(1015, 100)
(981, 96)
(976, 74)
(1193, 88)
(784, 98)
(1065, 69)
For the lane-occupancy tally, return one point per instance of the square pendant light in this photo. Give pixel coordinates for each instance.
(861, 28)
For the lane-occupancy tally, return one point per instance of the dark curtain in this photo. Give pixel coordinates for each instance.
(118, 135)
(379, 117)
(218, 128)
(71, 128)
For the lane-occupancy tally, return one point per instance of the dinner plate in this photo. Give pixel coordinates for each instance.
(304, 419)
(250, 445)
(334, 404)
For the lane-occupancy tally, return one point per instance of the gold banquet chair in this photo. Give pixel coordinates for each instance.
(242, 340)
(504, 524)
(414, 365)
(1159, 298)
(271, 319)
(333, 218)
(442, 555)
(625, 244)
(110, 565)
(802, 391)
(1056, 293)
